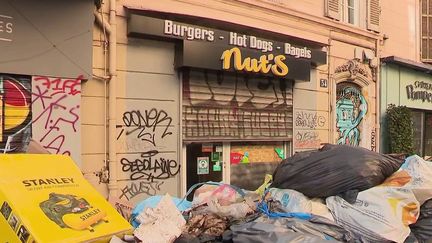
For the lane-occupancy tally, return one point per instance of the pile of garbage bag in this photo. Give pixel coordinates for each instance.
(336, 194)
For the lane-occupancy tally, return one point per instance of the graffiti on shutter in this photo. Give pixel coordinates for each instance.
(220, 106)
(15, 104)
(332, 9)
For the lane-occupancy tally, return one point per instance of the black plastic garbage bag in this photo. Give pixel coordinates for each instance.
(263, 229)
(334, 170)
(411, 239)
(422, 229)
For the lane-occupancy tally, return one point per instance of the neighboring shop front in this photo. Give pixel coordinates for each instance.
(231, 95)
(44, 58)
(407, 83)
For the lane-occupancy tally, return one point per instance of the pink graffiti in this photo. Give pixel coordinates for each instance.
(58, 115)
(61, 86)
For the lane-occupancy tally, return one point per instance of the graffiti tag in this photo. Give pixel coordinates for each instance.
(144, 124)
(239, 122)
(56, 113)
(309, 120)
(149, 167)
(307, 139)
(134, 189)
(373, 140)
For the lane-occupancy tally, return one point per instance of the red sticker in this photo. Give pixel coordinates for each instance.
(235, 158)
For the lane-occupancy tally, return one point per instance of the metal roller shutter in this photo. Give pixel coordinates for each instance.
(220, 106)
(15, 93)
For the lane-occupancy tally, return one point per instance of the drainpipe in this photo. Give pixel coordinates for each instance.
(111, 30)
(378, 97)
(112, 156)
(331, 86)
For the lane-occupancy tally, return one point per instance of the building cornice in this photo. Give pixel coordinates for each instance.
(319, 29)
(418, 66)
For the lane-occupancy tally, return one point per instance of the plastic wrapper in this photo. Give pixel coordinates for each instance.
(267, 181)
(316, 229)
(291, 200)
(224, 194)
(235, 211)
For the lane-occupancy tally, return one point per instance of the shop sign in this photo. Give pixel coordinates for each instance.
(216, 49)
(265, 64)
(203, 165)
(420, 90)
(6, 27)
(207, 148)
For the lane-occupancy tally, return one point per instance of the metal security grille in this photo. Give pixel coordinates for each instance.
(16, 115)
(221, 106)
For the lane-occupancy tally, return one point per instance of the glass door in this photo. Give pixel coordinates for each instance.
(428, 135)
(249, 162)
(204, 163)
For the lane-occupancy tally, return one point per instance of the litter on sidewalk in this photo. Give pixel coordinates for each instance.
(336, 194)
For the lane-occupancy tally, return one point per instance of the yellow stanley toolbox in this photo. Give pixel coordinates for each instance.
(45, 198)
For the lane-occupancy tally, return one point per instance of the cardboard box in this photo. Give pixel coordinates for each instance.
(45, 198)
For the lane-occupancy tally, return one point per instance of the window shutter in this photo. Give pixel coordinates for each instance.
(333, 9)
(426, 31)
(373, 15)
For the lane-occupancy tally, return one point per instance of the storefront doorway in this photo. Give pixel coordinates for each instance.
(243, 164)
(236, 128)
(204, 163)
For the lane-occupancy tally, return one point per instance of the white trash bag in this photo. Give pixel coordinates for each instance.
(384, 213)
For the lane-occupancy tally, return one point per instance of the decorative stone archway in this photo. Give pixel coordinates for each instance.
(353, 80)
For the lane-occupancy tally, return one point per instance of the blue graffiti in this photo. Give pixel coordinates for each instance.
(351, 107)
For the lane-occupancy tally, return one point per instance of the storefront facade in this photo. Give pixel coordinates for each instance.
(234, 99)
(409, 84)
(221, 96)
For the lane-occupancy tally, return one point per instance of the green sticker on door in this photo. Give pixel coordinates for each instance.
(202, 165)
(217, 166)
(215, 156)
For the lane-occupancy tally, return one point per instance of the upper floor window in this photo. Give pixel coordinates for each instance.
(426, 30)
(361, 13)
(350, 11)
